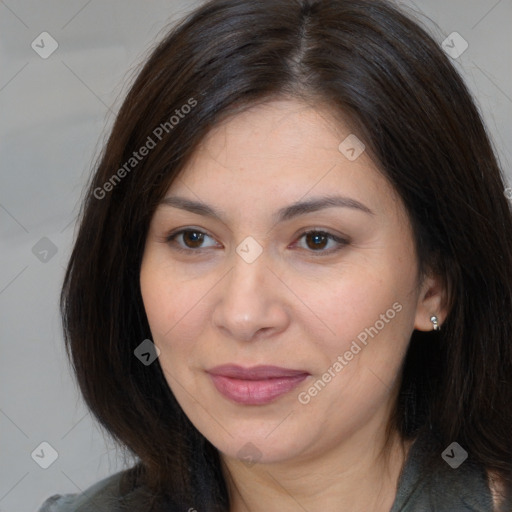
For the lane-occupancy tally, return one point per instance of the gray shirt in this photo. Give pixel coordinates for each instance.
(464, 489)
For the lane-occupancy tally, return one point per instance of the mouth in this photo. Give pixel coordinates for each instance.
(258, 385)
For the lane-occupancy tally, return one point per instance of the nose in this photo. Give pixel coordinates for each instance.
(251, 302)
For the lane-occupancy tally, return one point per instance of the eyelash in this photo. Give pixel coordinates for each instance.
(171, 239)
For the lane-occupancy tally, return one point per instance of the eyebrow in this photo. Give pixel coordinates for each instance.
(286, 213)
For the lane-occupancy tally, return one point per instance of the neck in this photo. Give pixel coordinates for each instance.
(355, 475)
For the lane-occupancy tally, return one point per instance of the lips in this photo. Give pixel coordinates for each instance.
(255, 373)
(257, 385)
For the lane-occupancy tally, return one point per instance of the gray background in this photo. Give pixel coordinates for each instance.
(55, 113)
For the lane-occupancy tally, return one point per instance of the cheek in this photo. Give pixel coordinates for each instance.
(167, 301)
(178, 313)
(366, 307)
(361, 362)
(158, 302)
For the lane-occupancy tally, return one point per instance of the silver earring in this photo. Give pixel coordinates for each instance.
(433, 319)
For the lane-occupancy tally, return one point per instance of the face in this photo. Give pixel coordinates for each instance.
(311, 307)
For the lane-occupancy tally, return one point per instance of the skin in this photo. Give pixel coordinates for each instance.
(292, 307)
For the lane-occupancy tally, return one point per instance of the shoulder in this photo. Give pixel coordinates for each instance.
(105, 495)
(432, 479)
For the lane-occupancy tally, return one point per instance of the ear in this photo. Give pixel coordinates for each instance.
(432, 300)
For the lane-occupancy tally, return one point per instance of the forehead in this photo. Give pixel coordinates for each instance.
(278, 152)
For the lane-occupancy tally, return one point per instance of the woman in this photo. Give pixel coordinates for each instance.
(291, 287)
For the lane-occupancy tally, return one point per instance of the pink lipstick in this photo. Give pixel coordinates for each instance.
(258, 385)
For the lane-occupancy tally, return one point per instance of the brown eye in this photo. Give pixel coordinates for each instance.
(316, 240)
(321, 242)
(191, 240)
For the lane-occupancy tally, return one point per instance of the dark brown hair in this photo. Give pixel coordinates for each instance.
(384, 74)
